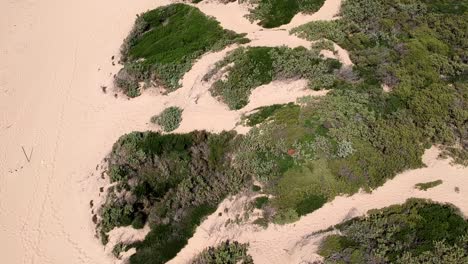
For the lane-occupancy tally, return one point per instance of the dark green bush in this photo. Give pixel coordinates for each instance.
(226, 253)
(274, 13)
(138, 221)
(118, 248)
(169, 119)
(424, 186)
(415, 231)
(256, 188)
(260, 202)
(165, 240)
(252, 68)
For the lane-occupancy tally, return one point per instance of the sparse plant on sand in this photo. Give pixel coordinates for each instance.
(427, 185)
(169, 119)
(228, 252)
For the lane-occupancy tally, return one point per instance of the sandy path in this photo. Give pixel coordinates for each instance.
(55, 55)
(293, 243)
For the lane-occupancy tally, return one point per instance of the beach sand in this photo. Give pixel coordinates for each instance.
(55, 57)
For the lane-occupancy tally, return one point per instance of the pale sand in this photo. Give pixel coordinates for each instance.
(51, 100)
(55, 55)
(295, 243)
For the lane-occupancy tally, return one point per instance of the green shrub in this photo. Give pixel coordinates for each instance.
(323, 44)
(260, 202)
(255, 66)
(226, 253)
(252, 68)
(115, 215)
(415, 231)
(286, 217)
(427, 185)
(139, 221)
(274, 13)
(310, 203)
(119, 248)
(165, 42)
(169, 119)
(263, 222)
(332, 244)
(318, 30)
(263, 113)
(165, 240)
(256, 188)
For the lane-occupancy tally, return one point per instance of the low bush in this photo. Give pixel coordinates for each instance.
(248, 68)
(169, 119)
(256, 188)
(263, 113)
(260, 202)
(263, 222)
(415, 232)
(252, 68)
(118, 248)
(226, 253)
(427, 185)
(274, 13)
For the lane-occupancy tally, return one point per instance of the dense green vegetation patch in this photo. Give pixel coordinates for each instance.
(169, 119)
(227, 252)
(424, 186)
(447, 6)
(274, 13)
(263, 113)
(165, 42)
(171, 182)
(248, 68)
(307, 154)
(418, 49)
(415, 232)
(260, 202)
